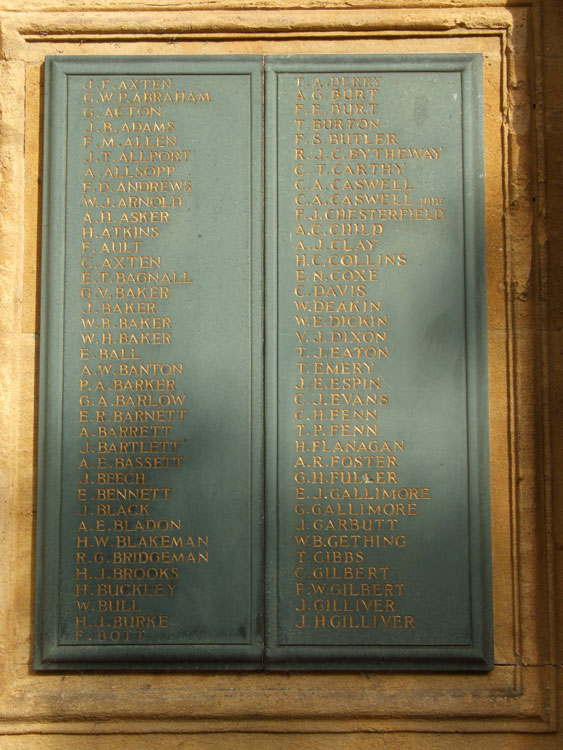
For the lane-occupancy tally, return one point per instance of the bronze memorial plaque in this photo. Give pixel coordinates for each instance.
(376, 364)
(263, 298)
(151, 476)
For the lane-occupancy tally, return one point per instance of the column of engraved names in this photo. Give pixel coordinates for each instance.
(353, 513)
(133, 409)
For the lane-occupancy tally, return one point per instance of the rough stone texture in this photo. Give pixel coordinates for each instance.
(513, 707)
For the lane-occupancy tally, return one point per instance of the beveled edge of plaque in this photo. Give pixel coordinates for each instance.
(48, 654)
(480, 655)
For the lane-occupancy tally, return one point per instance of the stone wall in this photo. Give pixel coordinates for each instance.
(514, 706)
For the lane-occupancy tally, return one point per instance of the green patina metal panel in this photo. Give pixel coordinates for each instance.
(377, 393)
(151, 550)
(150, 489)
